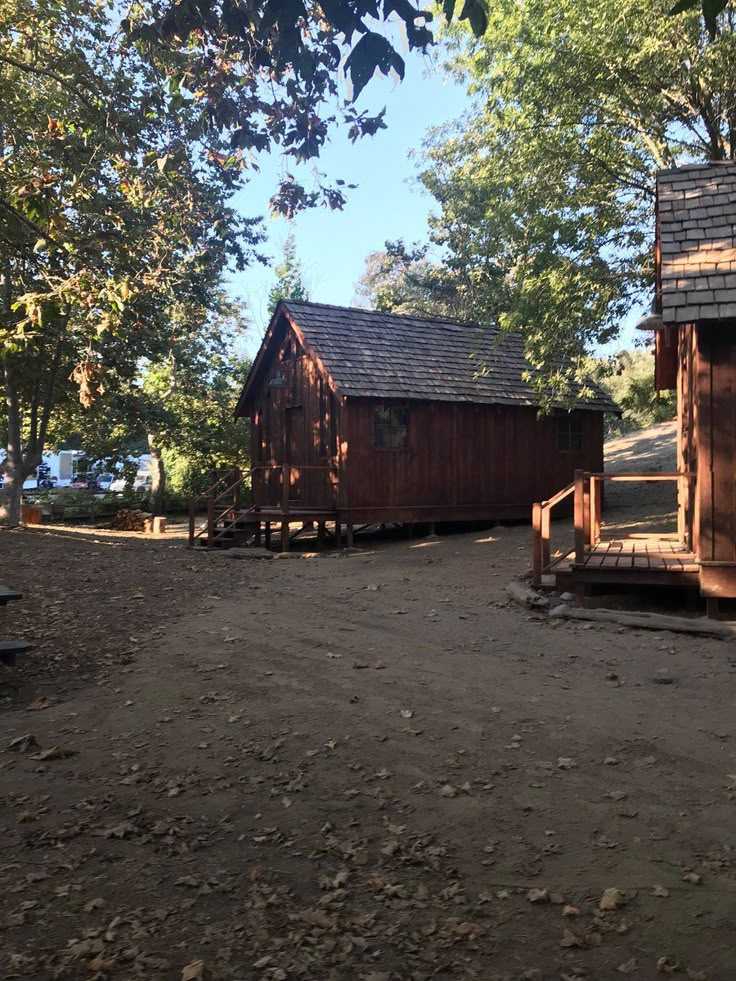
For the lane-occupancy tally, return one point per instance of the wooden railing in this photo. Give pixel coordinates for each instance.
(587, 491)
(541, 520)
(227, 489)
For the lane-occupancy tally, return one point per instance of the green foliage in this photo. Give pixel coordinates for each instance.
(182, 404)
(629, 378)
(545, 187)
(289, 283)
(403, 280)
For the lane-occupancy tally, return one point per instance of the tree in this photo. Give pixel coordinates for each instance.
(267, 72)
(108, 217)
(123, 140)
(403, 280)
(179, 408)
(629, 378)
(289, 283)
(545, 187)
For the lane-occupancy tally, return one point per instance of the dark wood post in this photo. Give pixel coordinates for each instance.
(338, 533)
(285, 481)
(579, 517)
(321, 530)
(267, 535)
(348, 536)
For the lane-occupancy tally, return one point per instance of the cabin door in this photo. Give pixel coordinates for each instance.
(294, 435)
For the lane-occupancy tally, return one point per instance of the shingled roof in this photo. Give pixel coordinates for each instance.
(696, 210)
(381, 355)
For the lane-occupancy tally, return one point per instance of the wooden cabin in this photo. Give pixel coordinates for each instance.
(362, 417)
(694, 319)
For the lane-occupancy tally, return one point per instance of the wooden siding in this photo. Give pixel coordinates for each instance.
(716, 439)
(461, 460)
(665, 359)
(687, 437)
(295, 423)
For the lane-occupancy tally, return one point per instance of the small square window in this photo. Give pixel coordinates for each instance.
(569, 434)
(390, 427)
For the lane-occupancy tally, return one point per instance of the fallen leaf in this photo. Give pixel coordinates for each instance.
(406, 714)
(566, 763)
(693, 878)
(611, 899)
(569, 939)
(39, 705)
(538, 896)
(661, 892)
(21, 744)
(193, 972)
(54, 753)
(448, 791)
(570, 911)
(667, 965)
(628, 967)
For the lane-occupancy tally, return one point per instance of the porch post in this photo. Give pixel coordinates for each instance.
(579, 517)
(595, 510)
(286, 480)
(537, 544)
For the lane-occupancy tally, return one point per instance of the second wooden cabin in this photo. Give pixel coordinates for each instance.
(362, 417)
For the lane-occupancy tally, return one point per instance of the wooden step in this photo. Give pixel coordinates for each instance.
(9, 649)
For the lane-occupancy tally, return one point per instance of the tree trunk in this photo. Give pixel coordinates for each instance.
(10, 500)
(158, 477)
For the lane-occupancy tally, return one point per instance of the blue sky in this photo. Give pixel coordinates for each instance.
(387, 204)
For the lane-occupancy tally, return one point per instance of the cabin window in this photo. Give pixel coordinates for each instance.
(390, 427)
(569, 434)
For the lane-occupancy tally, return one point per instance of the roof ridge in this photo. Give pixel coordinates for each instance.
(398, 316)
(703, 165)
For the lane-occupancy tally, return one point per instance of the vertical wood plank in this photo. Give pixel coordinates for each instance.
(705, 442)
(537, 544)
(579, 516)
(546, 557)
(595, 510)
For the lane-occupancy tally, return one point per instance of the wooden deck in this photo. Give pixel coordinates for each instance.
(634, 561)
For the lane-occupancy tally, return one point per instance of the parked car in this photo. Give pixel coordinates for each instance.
(85, 481)
(105, 481)
(118, 485)
(142, 483)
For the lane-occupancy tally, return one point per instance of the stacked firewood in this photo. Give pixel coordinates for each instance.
(129, 520)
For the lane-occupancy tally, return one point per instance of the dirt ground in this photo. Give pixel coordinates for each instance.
(362, 766)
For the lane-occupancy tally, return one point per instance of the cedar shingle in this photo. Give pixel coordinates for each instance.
(696, 209)
(381, 355)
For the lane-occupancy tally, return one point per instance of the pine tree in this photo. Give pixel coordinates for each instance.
(289, 283)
